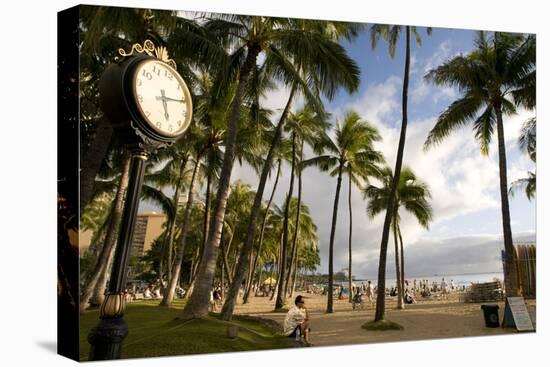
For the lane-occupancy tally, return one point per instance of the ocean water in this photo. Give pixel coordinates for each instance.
(459, 280)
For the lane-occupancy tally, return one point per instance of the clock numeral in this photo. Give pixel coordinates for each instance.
(155, 70)
(140, 98)
(139, 82)
(147, 113)
(178, 122)
(168, 75)
(159, 125)
(170, 128)
(179, 87)
(147, 74)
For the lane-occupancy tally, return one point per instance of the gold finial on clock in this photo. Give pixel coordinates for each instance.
(150, 49)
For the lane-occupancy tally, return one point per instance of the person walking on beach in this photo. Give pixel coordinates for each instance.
(444, 288)
(370, 292)
(296, 322)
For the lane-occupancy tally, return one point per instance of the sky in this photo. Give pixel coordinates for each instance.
(466, 233)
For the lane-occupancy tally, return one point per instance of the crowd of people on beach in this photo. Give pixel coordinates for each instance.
(417, 288)
(413, 289)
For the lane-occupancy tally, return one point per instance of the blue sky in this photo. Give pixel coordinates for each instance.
(465, 236)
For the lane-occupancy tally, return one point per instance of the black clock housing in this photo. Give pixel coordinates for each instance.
(119, 105)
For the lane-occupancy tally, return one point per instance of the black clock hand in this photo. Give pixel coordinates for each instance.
(174, 100)
(165, 105)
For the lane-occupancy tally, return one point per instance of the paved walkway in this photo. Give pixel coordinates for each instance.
(425, 320)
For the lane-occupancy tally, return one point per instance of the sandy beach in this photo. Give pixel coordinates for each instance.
(427, 319)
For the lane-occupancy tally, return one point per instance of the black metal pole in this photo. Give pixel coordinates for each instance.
(106, 338)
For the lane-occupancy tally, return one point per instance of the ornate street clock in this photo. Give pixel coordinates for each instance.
(145, 98)
(149, 107)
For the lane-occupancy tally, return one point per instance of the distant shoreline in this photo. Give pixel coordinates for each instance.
(435, 275)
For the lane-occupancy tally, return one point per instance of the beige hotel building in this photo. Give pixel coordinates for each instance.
(149, 226)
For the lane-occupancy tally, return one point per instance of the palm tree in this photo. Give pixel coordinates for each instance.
(337, 70)
(412, 194)
(249, 36)
(107, 251)
(528, 143)
(391, 35)
(353, 144)
(494, 79)
(305, 126)
(266, 215)
(185, 228)
(305, 236)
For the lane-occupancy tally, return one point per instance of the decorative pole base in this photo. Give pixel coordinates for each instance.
(106, 339)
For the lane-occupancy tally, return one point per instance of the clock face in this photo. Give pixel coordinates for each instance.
(162, 97)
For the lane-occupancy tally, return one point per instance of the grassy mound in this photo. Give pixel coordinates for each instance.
(154, 331)
(382, 325)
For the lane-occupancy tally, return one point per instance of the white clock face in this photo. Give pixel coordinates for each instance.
(162, 97)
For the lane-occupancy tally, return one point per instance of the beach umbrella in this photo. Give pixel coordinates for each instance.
(270, 281)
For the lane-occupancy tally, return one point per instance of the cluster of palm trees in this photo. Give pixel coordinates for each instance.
(225, 230)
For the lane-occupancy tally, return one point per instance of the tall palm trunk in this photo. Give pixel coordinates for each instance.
(101, 285)
(510, 271)
(250, 275)
(225, 260)
(280, 250)
(281, 289)
(172, 229)
(398, 277)
(294, 252)
(350, 237)
(293, 282)
(331, 244)
(380, 296)
(206, 222)
(199, 301)
(264, 222)
(176, 268)
(402, 262)
(110, 238)
(229, 305)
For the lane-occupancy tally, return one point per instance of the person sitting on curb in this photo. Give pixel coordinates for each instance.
(296, 322)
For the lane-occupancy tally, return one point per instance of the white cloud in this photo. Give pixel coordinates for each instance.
(420, 88)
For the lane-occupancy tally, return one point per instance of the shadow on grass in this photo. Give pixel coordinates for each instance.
(155, 331)
(382, 325)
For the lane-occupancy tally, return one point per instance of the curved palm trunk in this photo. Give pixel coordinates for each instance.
(229, 305)
(293, 282)
(510, 271)
(110, 238)
(101, 285)
(380, 296)
(225, 260)
(402, 262)
(281, 289)
(350, 237)
(172, 228)
(176, 268)
(331, 244)
(198, 303)
(264, 222)
(294, 251)
(399, 279)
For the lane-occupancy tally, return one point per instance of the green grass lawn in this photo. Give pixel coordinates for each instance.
(154, 331)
